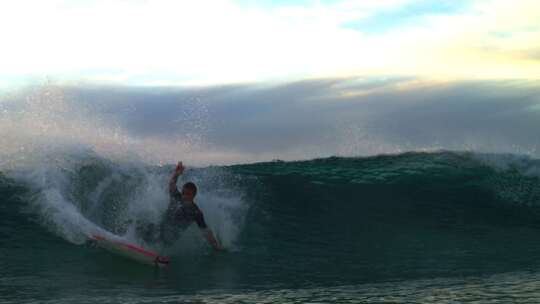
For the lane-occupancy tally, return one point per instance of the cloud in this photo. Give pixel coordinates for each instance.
(534, 54)
(307, 119)
(477, 115)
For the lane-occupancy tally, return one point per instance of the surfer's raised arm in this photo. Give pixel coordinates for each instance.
(174, 178)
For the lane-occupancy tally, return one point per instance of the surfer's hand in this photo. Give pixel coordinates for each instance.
(179, 169)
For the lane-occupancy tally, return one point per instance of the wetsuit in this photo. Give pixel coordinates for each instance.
(179, 216)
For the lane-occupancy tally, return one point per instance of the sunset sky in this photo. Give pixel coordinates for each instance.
(149, 43)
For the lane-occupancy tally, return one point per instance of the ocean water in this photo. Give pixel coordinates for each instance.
(417, 227)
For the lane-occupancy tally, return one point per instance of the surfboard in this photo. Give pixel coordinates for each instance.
(130, 251)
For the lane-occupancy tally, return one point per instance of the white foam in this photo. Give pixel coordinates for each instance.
(53, 185)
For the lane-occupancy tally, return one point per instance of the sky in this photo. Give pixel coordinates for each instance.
(184, 43)
(221, 82)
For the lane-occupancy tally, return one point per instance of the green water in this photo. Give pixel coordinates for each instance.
(418, 228)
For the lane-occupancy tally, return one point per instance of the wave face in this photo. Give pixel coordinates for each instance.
(306, 225)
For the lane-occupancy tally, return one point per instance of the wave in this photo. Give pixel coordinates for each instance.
(339, 219)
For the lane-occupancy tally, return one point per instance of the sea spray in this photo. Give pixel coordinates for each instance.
(86, 175)
(97, 196)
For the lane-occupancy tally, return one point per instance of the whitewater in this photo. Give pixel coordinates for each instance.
(413, 225)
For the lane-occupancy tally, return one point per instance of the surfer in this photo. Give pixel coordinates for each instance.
(183, 211)
(180, 214)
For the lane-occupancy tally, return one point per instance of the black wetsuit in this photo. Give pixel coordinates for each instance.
(179, 216)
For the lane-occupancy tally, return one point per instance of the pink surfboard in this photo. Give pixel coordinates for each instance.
(131, 251)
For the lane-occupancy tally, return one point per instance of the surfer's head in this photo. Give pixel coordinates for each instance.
(189, 190)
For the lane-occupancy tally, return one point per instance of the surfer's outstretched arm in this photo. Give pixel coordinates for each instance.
(174, 178)
(207, 232)
(211, 239)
